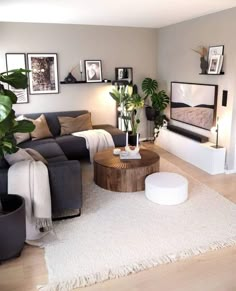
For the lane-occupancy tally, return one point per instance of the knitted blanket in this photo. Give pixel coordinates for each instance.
(96, 140)
(29, 179)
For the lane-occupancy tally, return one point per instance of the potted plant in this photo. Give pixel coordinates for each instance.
(159, 102)
(129, 104)
(12, 207)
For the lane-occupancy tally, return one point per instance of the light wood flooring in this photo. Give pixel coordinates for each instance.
(213, 271)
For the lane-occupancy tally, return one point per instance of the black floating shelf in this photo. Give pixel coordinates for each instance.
(221, 73)
(84, 82)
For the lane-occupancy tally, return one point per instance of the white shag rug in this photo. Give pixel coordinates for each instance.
(123, 233)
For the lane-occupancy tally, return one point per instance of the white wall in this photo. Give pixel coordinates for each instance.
(177, 62)
(115, 46)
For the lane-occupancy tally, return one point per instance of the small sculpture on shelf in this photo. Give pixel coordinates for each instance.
(70, 78)
(202, 51)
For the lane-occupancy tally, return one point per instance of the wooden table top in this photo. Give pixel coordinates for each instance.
(106, 158)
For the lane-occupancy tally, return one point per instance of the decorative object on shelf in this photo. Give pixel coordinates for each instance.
(93, 71)
(81, 70)
(70, 78)
(17, 60)
(216, 130)
(215, 64)
(215, 50)
(124, 74)
(202, 51)
(159, 102)
(43, 78)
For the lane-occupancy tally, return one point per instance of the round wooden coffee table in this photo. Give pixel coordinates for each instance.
(114, 174)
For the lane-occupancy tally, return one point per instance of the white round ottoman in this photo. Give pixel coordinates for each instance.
(166, 188)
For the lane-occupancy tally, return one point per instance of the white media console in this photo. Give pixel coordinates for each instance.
(202, 155)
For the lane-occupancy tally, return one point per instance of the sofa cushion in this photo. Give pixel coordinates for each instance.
(75, 124)
(41, 128)
(74, 147)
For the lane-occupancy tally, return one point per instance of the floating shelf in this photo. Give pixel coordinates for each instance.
(84, 82)
(221, 73)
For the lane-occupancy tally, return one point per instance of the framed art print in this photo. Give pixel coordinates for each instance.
(93, 71)
(17, 61)
(43, 78)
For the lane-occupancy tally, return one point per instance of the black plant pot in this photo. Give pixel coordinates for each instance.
(151, 113)
(132, 139)
(12, 226)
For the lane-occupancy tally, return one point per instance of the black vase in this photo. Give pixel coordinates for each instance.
(12, 226)
(203, 65)
(151, 113)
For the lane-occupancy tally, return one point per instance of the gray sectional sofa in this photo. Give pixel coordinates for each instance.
(63, 154)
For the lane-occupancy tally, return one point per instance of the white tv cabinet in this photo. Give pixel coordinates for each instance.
(202, 155)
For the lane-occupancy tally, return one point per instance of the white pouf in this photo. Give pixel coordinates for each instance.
(166, 188)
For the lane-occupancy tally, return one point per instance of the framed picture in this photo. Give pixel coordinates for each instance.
(215, 64)
(215, 50)
(124, 74)
(17, 61)
(43, 78)
(93, 71)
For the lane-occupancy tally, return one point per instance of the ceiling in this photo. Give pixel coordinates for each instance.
(134, 13)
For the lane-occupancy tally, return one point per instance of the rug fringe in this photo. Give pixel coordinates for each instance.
(91, 279)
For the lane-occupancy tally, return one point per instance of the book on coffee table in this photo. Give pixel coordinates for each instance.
(128, 156)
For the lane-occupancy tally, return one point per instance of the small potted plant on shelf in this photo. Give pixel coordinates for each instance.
(12, 207)
(129, 104)
(159, 102)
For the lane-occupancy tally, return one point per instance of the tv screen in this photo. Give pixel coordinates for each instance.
(194, 104)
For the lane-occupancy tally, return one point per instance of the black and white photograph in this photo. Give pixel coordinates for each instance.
(194, 104)
(124, 74)
(93, 71)
(214, 64)
(43, 78)
(212, 52)
(17, 61)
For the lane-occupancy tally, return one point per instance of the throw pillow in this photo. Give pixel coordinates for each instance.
(21, 136)
(74, 124)
(41, 128)
(24, 155)
(20, 155)
(36, 155)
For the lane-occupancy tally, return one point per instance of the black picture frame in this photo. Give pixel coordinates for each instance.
(93, 71)
(124, 74)
(17, 61)
(43, 78)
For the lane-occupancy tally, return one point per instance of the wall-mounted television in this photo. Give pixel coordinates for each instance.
(194, 103)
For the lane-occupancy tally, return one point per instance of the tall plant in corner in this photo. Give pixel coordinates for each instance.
(159, 102)
(8, 125)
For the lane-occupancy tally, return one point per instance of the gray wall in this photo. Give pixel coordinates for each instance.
(177, 62)
(115, 46)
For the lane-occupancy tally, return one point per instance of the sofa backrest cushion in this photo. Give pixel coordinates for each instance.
(52, 119)
(75, 124)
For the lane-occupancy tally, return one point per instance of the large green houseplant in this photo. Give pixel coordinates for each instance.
(159, 101)
(12, 207)
(8, 124)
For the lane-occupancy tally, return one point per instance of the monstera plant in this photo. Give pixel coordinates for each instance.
(8, 123)
(159, 102)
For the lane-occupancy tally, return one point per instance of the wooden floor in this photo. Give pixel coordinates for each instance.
(213, 271)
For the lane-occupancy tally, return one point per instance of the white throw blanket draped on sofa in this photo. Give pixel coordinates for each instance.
(29, 179)
(96, 140)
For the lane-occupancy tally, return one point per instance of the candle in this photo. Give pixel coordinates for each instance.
(137, 141)
(126, 141)
(80, 66)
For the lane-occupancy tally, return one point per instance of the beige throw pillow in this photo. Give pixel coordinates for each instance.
(74, 124)
(41, 128)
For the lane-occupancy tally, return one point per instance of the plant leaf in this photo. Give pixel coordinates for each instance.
(149, 86)
(24, 126)
(15, 78)
(5, 106)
